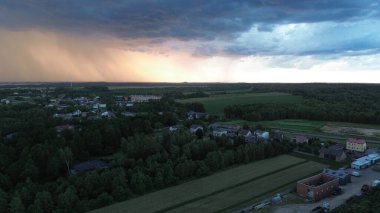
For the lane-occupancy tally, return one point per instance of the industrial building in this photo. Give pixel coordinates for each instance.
(317, 187)
(365, 161)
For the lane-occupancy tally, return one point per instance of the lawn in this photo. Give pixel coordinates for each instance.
(248, 192)
(198, 189)
(215, 104)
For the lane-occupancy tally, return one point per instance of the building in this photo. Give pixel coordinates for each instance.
(61, 128)
(89, 165)
(219, 133)
(366, 161)
(175, 128)
(343, 176)
(144, 98)
(245, 133)
(300, 139)
(196, 115)
(354, 144)
(317, 187)
(194, 128)
(335, 152)
(263, 135)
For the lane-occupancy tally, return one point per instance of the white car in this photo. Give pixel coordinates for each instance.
(355, 173)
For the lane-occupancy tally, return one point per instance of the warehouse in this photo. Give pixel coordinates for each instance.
(343, 176)
(317, 187)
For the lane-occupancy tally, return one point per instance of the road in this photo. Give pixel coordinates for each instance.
(349, 190)
(326, 136)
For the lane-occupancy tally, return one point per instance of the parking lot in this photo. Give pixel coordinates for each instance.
(349, 190)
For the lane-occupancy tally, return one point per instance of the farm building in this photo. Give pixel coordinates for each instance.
(317, 187)
(334, 152)
(89, 165)
(343, 176)
(245, 133)
(219, 132)
(354, 144)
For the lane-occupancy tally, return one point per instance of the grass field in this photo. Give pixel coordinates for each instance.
(248, 192)
(194, 192)
(215, 104)
(176, 195)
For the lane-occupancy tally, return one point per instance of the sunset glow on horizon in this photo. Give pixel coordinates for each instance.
(218, 41)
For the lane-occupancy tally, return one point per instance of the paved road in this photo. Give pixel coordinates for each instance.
(350, 190)
(327, 136)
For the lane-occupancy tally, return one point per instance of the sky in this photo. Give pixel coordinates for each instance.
(190, 40)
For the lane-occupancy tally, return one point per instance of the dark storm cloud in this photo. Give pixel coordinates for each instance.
(184, 20)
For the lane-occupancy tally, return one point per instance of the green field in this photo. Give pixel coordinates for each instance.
(191, 196)
(244, 193)
(215, 104)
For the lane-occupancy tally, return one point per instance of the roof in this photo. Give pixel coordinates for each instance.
(336, 173)
(90, 165)
(335, 150)
(194, 126)
(356, 140)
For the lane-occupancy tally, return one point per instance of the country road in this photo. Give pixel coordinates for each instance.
(326, 136)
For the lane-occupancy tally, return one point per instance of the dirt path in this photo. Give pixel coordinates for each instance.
(349, 190)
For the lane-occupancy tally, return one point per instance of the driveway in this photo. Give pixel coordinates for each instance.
(349, 190)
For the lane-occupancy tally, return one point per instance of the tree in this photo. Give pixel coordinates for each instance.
(68, 201)
(3, 201)
(199, 133)
(67, 156)
(43, 202)
(16, 205)
(104, 199)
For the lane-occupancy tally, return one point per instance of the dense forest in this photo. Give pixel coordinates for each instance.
(347, 102)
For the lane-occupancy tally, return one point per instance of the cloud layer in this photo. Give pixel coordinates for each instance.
(221, 39)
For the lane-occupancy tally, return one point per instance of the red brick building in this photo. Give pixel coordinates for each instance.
(317, 187)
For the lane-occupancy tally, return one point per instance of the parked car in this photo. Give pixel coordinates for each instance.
(336, 191)
(355, 173)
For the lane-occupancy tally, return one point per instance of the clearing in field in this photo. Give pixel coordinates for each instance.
(349, 130)
(215, 104)
(191, 194)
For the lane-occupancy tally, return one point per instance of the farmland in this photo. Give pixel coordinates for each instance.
(215, 103)
(244, 183)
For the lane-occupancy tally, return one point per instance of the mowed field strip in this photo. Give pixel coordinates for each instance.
(191, 191)
(242, 194)
(215, 104)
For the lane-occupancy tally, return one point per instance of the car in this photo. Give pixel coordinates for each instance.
(355, 173)
(336, 191)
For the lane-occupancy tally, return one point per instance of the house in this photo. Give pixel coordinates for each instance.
(300, 139)
(334, 152)
(143, 98)
(88, 165)
(245, 133)
(343, 176)
(129, 114)
(317, 187)
(196, 115)
(264, 135)
(99, 106)
(219, 132)
(77, 113)
(175, 128)
(277, 136)
(354, 144)
(194, 128)
(107, 114)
